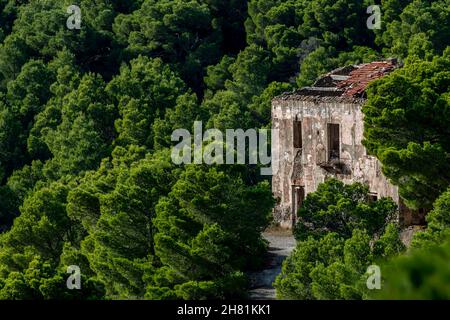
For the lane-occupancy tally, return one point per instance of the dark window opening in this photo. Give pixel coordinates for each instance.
(298, 135)
(333, 141)
(422, 211)
(373, 197)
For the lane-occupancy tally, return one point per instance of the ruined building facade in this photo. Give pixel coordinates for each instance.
(320, 136)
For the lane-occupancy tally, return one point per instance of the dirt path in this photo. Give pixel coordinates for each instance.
(281, 245)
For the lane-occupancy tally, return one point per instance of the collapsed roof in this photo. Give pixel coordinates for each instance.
(347, 83)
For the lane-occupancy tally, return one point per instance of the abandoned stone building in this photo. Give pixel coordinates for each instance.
(320, 136)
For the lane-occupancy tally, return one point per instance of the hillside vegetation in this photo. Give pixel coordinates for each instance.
(86, 117)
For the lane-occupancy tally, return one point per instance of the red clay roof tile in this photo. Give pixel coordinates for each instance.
(363, 74)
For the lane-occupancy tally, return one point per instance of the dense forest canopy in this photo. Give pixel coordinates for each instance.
(86, 117)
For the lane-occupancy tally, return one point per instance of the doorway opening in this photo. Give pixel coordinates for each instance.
(298, 196)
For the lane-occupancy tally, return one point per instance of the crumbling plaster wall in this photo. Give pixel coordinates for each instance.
(300, 167)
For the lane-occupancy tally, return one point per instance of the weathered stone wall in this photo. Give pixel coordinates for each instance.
(304, 167)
